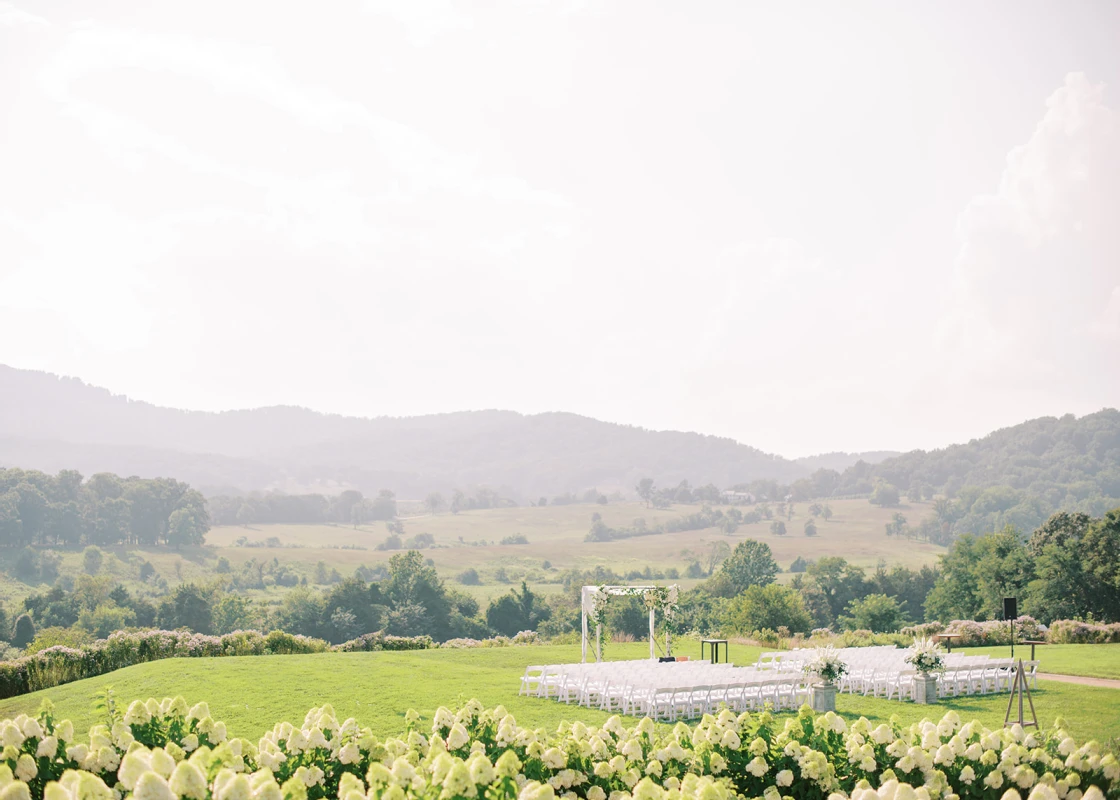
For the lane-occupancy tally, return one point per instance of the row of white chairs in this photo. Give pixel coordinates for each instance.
(666, 691)
(682, 690)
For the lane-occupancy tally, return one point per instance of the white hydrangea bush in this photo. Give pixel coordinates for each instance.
(168, 751)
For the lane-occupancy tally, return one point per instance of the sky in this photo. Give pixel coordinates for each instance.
(806, 226)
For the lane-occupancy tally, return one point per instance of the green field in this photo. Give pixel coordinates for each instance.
(252, 693)
(555, 533)
(1090, 660)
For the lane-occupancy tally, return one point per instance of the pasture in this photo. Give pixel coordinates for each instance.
(471, 540)
(556, 535)
(252, 693)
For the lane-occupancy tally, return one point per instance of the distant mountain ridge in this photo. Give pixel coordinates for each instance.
(841, 461)
(50, 423)
(1013, 476)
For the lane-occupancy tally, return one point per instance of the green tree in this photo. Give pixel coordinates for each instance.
(92, 559)
(516, 611)
(834, 582)
(233, 612)
(433, 502)
(719, 552)
(1076, 567)
(469, 577)
(898, 526)
(877, 613)
(751, 563)
(409, 619)
(23, 631)
(826, 512)
(412, 582)
(187, 527)
(778, 528)
(977, 573)
(810, 527)
(884, 494)
(187, 607)
(105, 619)
(301, 612)
(645, 490)
(772, 606)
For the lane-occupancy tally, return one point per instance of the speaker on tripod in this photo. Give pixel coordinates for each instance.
(1011, 613)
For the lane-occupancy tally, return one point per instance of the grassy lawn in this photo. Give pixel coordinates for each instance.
(1090, 660)
(251, 694)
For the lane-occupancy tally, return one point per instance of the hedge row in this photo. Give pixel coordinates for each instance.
(58, 665)
(978, 634)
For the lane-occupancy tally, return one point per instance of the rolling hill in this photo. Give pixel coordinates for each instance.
(50, 423)
(1017, 475)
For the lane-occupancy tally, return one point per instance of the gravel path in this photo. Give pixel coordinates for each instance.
(1106, 682)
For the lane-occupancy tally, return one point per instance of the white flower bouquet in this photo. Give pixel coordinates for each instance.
(826, 665)
(925, 656)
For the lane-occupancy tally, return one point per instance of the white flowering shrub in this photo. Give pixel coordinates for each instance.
(166, 751)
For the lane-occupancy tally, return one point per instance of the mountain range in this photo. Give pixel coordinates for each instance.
(51, 423)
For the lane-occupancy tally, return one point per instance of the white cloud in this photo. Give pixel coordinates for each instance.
(228, 68)
(425, 20)
(1037, 276)
(11, 16)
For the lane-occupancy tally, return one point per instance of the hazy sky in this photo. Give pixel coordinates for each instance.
(805, 226)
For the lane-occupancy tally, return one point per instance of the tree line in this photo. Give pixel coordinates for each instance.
(65, 510)
(1068, 568)
(406, 598)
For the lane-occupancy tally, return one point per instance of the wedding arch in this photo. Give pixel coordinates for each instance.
(595, 600)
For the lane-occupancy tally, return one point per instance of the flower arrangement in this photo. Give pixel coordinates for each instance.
(826, 665)
(662, 599)
(925, 656)
(165, 750)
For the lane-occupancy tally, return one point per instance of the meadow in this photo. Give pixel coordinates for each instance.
(252, 693)
(471, 540)
(556, 535)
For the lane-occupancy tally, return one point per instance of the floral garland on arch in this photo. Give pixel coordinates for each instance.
(661, 599)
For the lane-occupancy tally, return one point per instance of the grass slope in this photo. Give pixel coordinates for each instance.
(251, 694)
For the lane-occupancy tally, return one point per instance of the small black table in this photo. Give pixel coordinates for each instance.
(714, 645)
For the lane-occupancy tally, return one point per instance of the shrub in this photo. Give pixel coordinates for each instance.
(1068, 631)
(375, 642)
(469, 577)
(55, 637)
(23, 631)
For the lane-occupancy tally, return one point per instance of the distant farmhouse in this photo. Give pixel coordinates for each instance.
(737, 498)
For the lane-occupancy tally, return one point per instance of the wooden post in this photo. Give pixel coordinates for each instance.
(652, 644)
(583, 641)
(1020, 687)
